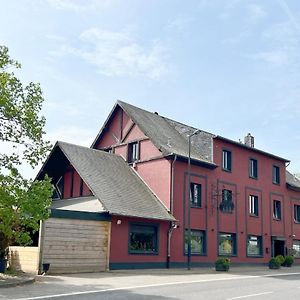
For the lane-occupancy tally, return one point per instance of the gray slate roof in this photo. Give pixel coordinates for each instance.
(114, 183)
(292, 181)
(169, 136)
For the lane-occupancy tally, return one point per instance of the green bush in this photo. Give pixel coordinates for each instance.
(274, 263)
(222, 264)
(281, 259)
(288, 261)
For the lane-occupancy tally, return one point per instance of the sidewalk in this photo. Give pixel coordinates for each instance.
(119, 279)
(12, 281)
(123, 278)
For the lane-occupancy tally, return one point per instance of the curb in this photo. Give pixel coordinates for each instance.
(17, 282)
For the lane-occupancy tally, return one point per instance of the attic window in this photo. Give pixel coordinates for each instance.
(133, 152)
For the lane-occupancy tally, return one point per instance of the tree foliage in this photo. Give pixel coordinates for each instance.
(23, 202)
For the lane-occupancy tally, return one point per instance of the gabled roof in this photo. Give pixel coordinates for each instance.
(110, 179)
(169, 136)
(292, 182)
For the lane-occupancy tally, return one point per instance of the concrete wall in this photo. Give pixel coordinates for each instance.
(72, 246)
(24, 258)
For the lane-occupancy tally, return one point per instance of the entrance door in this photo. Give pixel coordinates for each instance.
(278, 247)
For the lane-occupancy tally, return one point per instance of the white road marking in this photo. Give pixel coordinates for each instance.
(237, 277)
(251, 295)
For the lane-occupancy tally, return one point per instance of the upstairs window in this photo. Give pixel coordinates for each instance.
(109, 150)
(297, 213)
(253, 168)
(277, 209)
(253, 205)
(226, 160)
(195, 195)
(276, 175)
(226, 206)
(133, 152)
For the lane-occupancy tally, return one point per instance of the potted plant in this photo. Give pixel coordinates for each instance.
(280, 258)
(222, 264)
(274, 263)
(288, 261)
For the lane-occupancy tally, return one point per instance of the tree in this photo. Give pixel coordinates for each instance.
(23, 202)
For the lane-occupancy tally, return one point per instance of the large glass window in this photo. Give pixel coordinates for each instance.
(297, 213)
(198, 244)
(253, 205)
(296, 248)
(143, 239)
(227, 244)
(277, 209)
(253, 168)
(276, 174)
(226, 160)
(133, 152)
(195, 194)
(226, 206)
(254, 245)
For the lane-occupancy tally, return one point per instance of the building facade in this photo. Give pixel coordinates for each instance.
(234, 201)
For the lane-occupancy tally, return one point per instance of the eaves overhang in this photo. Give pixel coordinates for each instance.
(194, 161)
(293, 187)
(241, 145)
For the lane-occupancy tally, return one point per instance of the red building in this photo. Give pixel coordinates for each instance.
(243, 203)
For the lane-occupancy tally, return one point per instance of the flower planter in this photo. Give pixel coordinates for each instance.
(223, 268)
(3, 263)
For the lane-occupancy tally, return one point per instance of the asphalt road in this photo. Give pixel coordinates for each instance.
(156, 287)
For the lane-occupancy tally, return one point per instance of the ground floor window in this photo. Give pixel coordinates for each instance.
(297, 213)
(198, 243)
(227, 244)
(296, 248)
(254, 245)
(143, 239)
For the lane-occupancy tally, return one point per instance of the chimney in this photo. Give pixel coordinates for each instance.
(249, 140)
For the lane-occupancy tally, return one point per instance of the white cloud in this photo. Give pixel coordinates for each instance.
(256, 12)
(179, 24)
(118, 53)
(71, 134)
(290, 14)
(276, 57)
(78, 5)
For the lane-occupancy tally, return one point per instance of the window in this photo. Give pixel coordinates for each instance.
(143, 239)
(195, 194)
(253, 168)
(297, 213)
(254, 245)
(133, 152)
(109, 150)
(276, 175)
(227, 244)
(59, 188)
(296, 248)
(226, 160)
(198, 243)
(277, 209)
(226, 206)
(253, 205)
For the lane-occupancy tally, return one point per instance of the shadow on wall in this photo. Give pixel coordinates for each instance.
(24, 259)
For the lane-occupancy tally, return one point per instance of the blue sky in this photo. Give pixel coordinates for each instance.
(226, 66)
